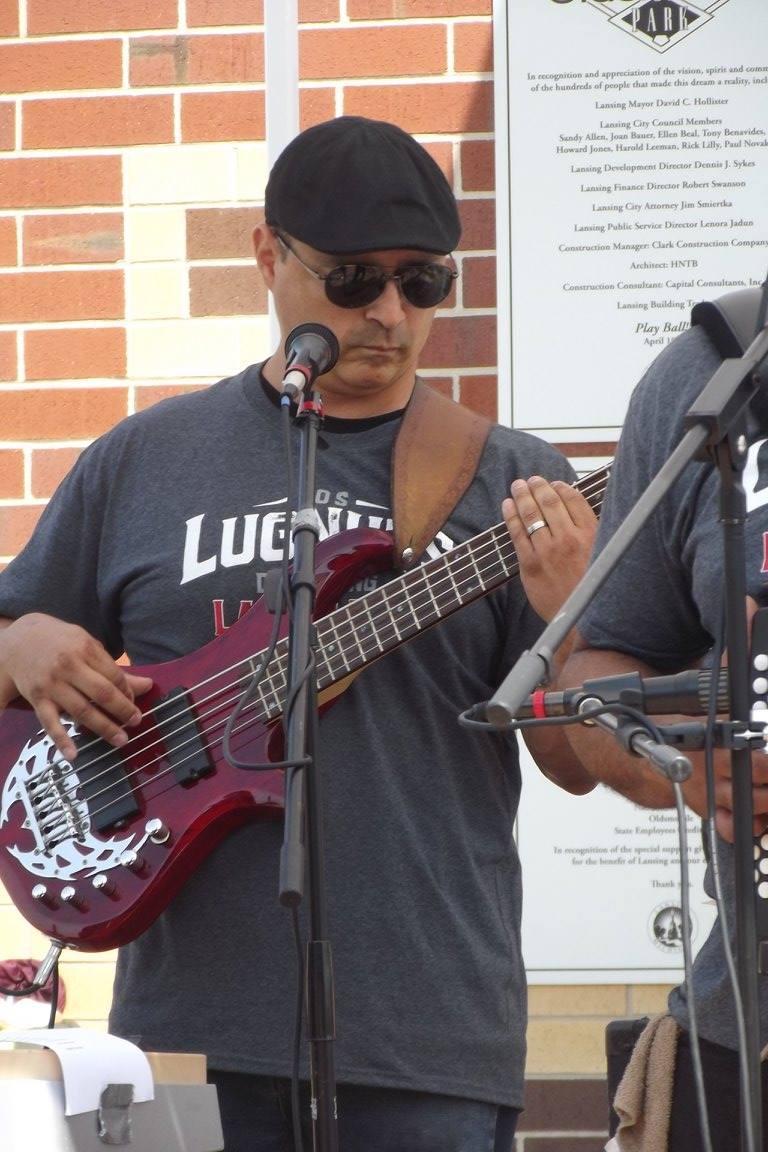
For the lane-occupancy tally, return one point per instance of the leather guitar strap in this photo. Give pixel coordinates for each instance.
(434, 459)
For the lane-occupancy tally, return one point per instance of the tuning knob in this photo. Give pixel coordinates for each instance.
(71, 896)
(104, 884)
(158, 832)
(43, 896)
(133, 860)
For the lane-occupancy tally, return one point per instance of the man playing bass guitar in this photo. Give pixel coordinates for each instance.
(155, 545)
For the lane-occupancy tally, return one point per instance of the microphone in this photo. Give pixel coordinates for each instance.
(685, 692)
(310, 350)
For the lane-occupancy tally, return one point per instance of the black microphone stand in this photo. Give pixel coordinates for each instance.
(715, 429)
(303, 825)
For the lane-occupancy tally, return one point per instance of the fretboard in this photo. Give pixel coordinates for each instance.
(378, 622)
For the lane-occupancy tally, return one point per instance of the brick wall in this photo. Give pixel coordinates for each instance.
(132, 165)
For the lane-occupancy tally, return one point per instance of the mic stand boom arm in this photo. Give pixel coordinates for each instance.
(714, 429)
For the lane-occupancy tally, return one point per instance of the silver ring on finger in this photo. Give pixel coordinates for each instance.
(535, 526)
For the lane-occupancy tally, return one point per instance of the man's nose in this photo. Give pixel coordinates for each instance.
(387, 309)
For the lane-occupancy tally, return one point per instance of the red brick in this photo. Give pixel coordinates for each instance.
(477, 166)
(319, 11)
(459, 107)
(478, 225)
(8, 366)
(74, 353)
(220, 233)
(73, 238)
(413, 9)
(461, 342)
(480, 394)
(222, 116)
(9, 17)
(479, 282)
(442, 154)
(227, 291)
(100, 121)
(316, 105)
(209, 13)
(49, 467)
(341, 53)
(11, 473)
(7, 241)
(198, 59)
(60, 413)
(60, 181)
(30, 297)
(17, 522)
(151, 394)
(441, 384)
(7, 126)
(45, 16)
(61, 65)
(473, 48)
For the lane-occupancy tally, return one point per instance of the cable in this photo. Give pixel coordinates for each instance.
(54, 995)
(685, 905)
(466, 719)
(298, 1141)
(31, 988)
(27, 990)
(283, 605)
(722, 910)
(286, 604)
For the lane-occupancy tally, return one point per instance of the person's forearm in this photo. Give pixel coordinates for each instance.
(598, 751)
(555, 756)
(8, 690)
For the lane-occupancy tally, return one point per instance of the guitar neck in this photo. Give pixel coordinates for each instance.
(351, 637)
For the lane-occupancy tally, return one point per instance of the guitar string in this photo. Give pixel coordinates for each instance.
(355, 613)
(277, 675)
(420, 574)
(596, 479)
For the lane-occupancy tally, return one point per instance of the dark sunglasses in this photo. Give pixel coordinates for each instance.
(355, 285)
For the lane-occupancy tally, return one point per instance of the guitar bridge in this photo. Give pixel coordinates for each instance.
(67, 801)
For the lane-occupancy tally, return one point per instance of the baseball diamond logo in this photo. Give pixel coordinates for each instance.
(661, 24)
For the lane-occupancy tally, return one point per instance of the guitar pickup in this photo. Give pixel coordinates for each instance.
(103, 783)
(185, 749)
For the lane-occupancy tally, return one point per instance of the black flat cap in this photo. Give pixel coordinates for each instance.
(358, 185)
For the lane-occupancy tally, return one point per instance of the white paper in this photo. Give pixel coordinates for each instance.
(602, 887)
(90, 1061)
(638, 185)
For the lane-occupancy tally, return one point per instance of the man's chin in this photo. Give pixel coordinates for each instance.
(373, 370)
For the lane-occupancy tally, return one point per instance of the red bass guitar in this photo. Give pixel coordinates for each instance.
(92, 852)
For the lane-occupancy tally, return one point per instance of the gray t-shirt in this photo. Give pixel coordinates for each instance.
(662, 604)
(160, 536)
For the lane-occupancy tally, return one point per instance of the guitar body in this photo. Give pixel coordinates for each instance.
(91, 853)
